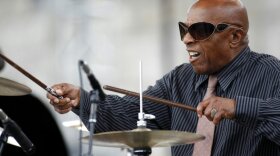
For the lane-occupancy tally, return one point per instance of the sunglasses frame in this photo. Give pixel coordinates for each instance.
(184, 29)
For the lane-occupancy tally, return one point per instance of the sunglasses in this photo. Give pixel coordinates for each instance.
(202, 30)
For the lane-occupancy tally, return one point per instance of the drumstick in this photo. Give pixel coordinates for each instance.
(34, 79)
(157, 100)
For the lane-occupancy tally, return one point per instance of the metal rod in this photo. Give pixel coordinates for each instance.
(157, 100)
(140, 87)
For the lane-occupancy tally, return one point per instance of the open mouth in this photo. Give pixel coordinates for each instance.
(194, 54)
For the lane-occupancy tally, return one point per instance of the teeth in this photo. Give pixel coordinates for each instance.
(193, 54)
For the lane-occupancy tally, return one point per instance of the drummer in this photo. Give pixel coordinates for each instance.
(244, 106)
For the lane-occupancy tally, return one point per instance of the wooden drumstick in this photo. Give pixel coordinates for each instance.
(157, 100)
(34, 79)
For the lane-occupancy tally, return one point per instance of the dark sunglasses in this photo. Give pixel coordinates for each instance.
(202, 30)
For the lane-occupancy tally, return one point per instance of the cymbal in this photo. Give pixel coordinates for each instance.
(140, 137)
(12, 88)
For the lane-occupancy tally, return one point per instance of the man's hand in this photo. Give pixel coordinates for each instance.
(71, 97)
(216, 108)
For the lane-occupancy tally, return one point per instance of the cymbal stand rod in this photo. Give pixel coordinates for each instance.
(141, 123)
(140, 87)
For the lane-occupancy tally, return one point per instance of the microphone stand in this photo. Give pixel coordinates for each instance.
(3, 138)
(94, 99)
(81, 112)
(96, 95)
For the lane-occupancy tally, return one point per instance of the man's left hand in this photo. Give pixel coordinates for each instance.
(216, 108)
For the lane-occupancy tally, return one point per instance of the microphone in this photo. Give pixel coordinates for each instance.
(14, 130)
(93, 81)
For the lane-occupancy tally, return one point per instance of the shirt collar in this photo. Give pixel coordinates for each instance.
(229, 72)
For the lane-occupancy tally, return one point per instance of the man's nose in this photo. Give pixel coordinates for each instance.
(188, 39)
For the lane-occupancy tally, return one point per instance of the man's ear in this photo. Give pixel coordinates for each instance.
(236, 38)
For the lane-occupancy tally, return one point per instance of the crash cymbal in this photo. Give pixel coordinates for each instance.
(12, 88)
(139, 137)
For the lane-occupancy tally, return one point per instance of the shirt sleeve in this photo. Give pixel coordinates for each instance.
(260, 115)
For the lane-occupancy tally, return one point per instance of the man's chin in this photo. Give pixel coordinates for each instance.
(199, 71)
(204, 70)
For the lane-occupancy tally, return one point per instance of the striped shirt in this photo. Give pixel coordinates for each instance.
(252, 79)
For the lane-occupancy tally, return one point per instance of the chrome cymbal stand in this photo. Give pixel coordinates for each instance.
(141, 123)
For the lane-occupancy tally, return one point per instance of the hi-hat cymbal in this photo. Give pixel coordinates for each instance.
(139, 137)
(12, 88)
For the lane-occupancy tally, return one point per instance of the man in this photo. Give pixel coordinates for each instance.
(246, 104)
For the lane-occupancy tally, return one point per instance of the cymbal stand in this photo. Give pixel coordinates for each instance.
(3, 139)
(129, 152)
(141, 123)
(94, 99)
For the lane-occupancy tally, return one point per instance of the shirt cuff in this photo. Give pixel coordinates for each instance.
(84, 102)
(246, 111)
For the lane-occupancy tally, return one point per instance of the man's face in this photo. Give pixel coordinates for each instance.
(212, 54)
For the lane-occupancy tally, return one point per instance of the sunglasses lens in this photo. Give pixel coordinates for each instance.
(183, 30)
(201, 30)
(221, 27)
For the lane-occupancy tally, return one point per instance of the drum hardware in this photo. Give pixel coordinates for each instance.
(94, 99)
(12, 129)
(128, 151)
(10, 140)
(142, 139)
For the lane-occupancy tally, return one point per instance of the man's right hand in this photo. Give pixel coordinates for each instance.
(71, 97)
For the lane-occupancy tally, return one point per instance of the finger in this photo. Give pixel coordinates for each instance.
(218, 117)
(59, 92)
(65, 88)
(63, 111)
(207, 112)
(51, 97)
(59, 86)
(63, 106)
(75, 102)
(53, 100)
(201, 108)
(61, 102)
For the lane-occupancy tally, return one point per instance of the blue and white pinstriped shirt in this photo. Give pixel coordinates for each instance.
(252, 79)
